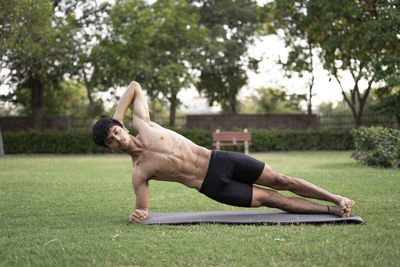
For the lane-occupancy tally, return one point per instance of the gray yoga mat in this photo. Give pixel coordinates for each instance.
(246, 217)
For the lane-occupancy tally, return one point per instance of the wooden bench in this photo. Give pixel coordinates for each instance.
(232, 139)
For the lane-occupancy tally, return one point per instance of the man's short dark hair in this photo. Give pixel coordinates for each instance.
(101, 128)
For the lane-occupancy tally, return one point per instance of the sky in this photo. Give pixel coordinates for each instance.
(270, 74)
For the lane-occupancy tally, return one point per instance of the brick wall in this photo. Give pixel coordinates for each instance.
(55, 123)
(227, 122)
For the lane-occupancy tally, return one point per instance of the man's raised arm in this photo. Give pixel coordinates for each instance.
(133, 94)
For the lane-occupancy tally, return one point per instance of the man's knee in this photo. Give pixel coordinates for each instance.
(265, 197)
(275, 180)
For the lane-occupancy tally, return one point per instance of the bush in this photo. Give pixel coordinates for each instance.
(198, 136)
(49, 142)
(277, 140)
(377, 146)
(280, 140)
(263, 141)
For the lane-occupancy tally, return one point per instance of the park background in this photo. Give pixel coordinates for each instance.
(73, 58)
(315, 82)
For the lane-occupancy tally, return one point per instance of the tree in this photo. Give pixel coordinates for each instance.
(1, 145)
(358, 37)
(388, 101)
(74, 101)
(269, 99)
(223, 59)
(125, 46)
(35, 44)
(174, 46)
(88, 59)
(152, 44)
(273, 101)
(289, 22)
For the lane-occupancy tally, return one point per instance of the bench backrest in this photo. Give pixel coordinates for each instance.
(232, 136)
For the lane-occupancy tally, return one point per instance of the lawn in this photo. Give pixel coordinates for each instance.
(73, 210)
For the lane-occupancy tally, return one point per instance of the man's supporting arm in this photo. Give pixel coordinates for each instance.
(141, 188)
(133, 94)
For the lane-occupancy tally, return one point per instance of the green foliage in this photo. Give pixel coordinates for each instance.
(357, 37)
(269, 99)
(263, 140)
(177, 38)
(272, 101)
(70, 99)
(301, 47)
(89, 62)
(152, 44)
(342, 108)
(223, 59)
(49, 142)
(198, 136)
(126, 45)
(377, 146)
(276, 140)
(340, 115)
(388, 101)
(36, 44)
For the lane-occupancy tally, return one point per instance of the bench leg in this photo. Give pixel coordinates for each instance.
(246, 147)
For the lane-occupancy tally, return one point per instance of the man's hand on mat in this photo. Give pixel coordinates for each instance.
(138, 215)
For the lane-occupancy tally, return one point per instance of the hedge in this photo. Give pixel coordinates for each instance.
(276, 140)
(49, 142)
(377, 146)
(262, 141)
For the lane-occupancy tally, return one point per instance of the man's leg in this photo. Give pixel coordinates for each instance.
(303, 188)
(273, 199)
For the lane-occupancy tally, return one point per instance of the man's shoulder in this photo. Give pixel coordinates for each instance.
(143, 125)
(139, 175)
(152, 124)
(142, 167)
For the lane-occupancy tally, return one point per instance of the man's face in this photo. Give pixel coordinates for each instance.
(118, 139)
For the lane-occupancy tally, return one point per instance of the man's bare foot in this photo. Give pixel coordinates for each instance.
(344, 207)
(335, 210)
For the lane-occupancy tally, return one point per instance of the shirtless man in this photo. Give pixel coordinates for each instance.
(228, 177)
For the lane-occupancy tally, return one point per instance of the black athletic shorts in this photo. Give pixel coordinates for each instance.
(230, 177)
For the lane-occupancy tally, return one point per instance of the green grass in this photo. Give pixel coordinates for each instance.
(73, 210)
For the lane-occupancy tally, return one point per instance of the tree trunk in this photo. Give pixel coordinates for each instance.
(172, 111)
(357, 97)
(90, 98)
(234, 108)
(309, 107)
(311, 84)
(357, 120)
(1, 145)
(90, 119)
(91, 108)
(37, 104)
(309, 102)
